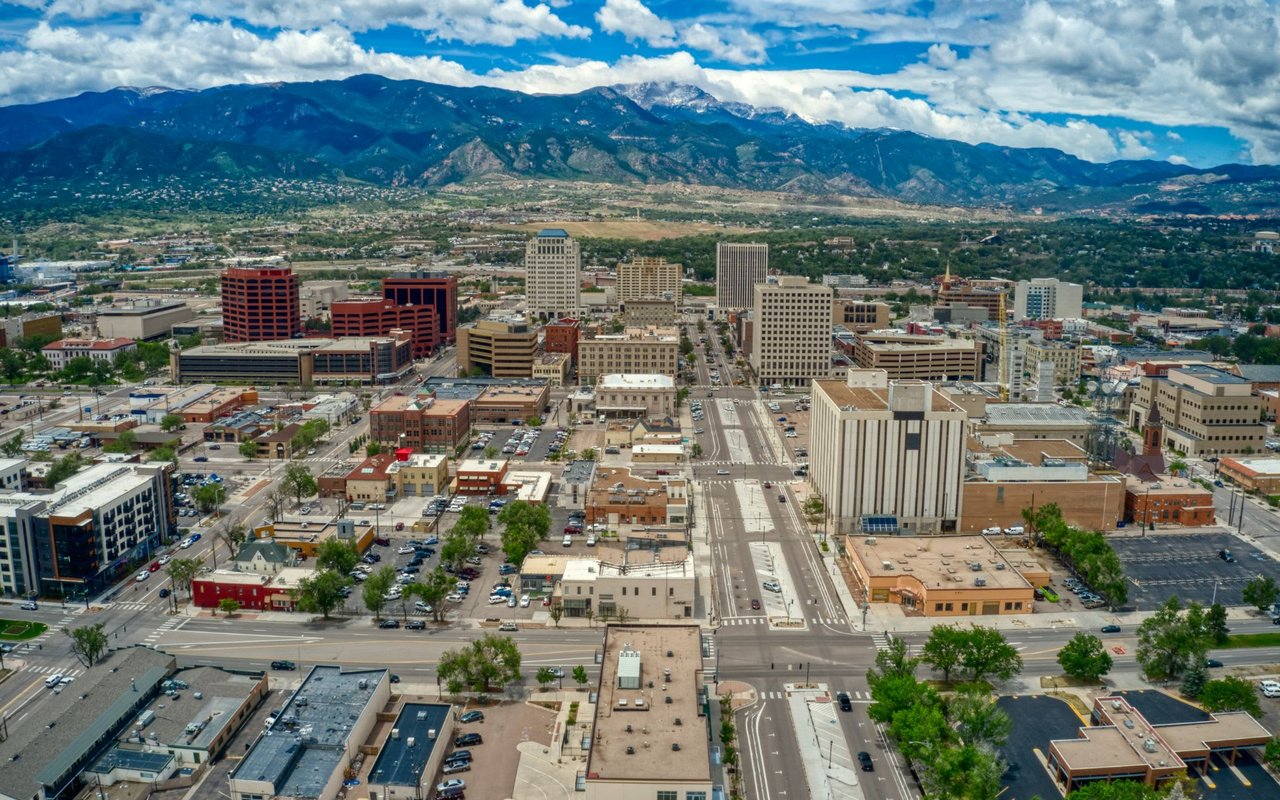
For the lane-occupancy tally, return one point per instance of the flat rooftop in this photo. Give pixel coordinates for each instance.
(942, 562)
(504, 394)
(308, 742)
(578, 471)
(403, 759)
(191, 722)
(863, 399)
(1259, 467)
(635, 728)
(1034, 414)
(635, 381)
(1210, 374)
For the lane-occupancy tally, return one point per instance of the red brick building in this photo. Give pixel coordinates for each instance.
(253, 591)
(1170, 501)
(425, 424)
(380, 317)
(482, 476)
(434, 289)
(260, 304)
(562, 336)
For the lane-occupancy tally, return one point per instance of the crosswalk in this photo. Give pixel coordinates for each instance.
(765, 621)
(881, 640)
(131, 606)
(48, 669)
(164, 628)
(863, 697)
(55, 629)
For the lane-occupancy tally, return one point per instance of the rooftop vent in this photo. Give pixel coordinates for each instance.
(668, 699)
(1149, 745)
(679, 721)
(631, 751)
(675, 746)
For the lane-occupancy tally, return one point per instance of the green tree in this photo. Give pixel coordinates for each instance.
(375, 588)
(182, 571)
(163, 453)
(695, 451)
(963, 773)
(1216, 624)
(545, 677)
(124, 444)
(88, 643)
(64, 468)
(945, 649)
(989, 653)
(322, 593)
(525, 526)
(1271, 754)
(457, 548)
(489, 662)
(473, 522)
(1261, 592)
(977, 720)
(209, 496)
(919, 728)
(1194, 680)
(172, 422)
(298, 481)
(580, 675)
(248, 448)
(557, 613)
(432, 590)
(12, 448)
(1231, 694)
(1170, 640)
(1085, 657)
(372, 449)
(228, 605)
(337, 555)
(490, 451)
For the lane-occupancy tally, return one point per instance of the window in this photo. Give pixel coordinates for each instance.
(664, 794)
(937, 606)
(695, 796)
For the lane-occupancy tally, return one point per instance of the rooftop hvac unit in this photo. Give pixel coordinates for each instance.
(639, 703)
(668, 699)
(679, 721)
(431, 734)
(869, 540)
(363, 683)
(1149, 745)
(631, 751)
(422, 715)
(979, 581)
(887, 565)
(675, 746)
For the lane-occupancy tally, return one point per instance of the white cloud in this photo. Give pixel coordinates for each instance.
(1174, 136)
(735, 45)
(635, 21)
(1179, 160)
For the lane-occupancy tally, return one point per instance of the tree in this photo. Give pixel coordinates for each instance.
(63, 468)
(1194, 680)
(963, 773)
(163, 453)
(88, 643)
(1216, 624)
(988, 653)
(545, 677)
(372, 449)
(473, 522)
(336, 555)
(228, 605)
(1169, 640)
(231, 535)
(1230, 694)
(299, 481)
(322, 593)
(1271, 754)
(945, 649)
(172, 422)
(919, 727)
(491, 661)
(1085, 657)
(12, 448)
(432, 591)
(1261, 592)
(526, 525)
(456, 548)
(275, 503)
(557, 613)
(182, 571)
(977, 720)
(814, 510)
(695, 451)
(375, 588)
(248, 448)
(490, 451)
(124, 443)
(580, 675)
(209, 496)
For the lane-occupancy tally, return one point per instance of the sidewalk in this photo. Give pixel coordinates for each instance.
(828, 765)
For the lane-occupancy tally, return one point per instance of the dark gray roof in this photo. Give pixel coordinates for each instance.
(1207, 373)
(195, 723)
(271, 551)
(140, 760)
(578, 471)
(401, 763)
(66, 730)
(1260, 373)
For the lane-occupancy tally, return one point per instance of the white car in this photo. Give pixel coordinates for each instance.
(1270, 688)
(186, 543)
(1015, 530)
(142, 575)
(991, 531)
(772, 586)
(497, 599)
(524, 601)
(164, 560)
(422, 607)
(394, 594)
(453, 597)
(404, 549)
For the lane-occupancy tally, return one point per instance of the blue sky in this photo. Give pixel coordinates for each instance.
(1191, 81)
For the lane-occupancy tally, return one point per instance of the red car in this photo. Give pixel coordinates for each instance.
(155, 566)
(755, 605)
(399, 526)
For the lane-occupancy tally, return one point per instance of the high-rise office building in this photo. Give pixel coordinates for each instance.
(739, 267)
(260, 304)
(791, 331)
(1047, 298)
(435, 289)
(645, 277)
(553, 274)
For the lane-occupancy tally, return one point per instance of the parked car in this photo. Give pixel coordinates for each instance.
(1110, 628)
(284, 666)
(450, 788)
(415, 625)
(389, 623)
(772, 586)
(453, 767)
(467, 740)
(472, 716)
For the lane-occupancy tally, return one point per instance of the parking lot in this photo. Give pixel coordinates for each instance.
(505, 725)
(1161, 565)
(1037, 720)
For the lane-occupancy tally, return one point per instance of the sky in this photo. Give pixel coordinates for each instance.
(1187, 81)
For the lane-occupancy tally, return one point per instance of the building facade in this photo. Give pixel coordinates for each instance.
(636, 396)
(62, 351)
(14, 329)
(1064, 356)
(144, 320)
(500, 348)
(561, 336)
(919, 357)
(553, 275)
(887, 455)
(859, 316)
(636, 350)
(1204, 411)
(739, 267)
(437, 290)
(305, 362)
(380, 317)
(791, 331)
(1047, 298)
(260, 304)
(620, 498)
(425, 424)
(645, 277)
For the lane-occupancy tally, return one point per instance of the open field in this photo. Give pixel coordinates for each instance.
(647, 230)
(15, 630)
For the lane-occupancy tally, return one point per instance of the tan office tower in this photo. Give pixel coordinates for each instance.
(645, 277)
(553, 274)
(791, 331)
(739, 267)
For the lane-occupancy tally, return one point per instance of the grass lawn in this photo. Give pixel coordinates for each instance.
(14, 630)
(1252, 640)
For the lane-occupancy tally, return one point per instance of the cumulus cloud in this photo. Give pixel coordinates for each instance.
(637, 22)
(634, 20)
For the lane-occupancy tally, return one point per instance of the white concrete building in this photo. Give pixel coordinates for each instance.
(62, 351)
(739, 267)
(1047, 298)
(636, 395)
(887, 456)
(553, 275)
(791, 331)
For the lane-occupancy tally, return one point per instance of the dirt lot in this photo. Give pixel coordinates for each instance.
(493, 772)
(629, 229)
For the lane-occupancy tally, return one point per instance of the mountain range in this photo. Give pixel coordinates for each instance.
(407, 133)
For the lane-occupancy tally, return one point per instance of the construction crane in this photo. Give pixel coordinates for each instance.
(1003, 378)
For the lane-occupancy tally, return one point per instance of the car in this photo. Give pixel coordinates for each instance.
(472, 716)
(467, 739)
(451, 785)
(511, 601)
(399, 526)
(155, 566)
(591, 540)
(507, 626)
(422, 607)
(782, 498)
(430, 540)
(1110, 628)
(284, 666)
(567, 541)
(30, 605)
(1270, 688)
(474, 561)
(846, 704)
(993, 531)
(723, 472)
(459, 755)
(755, 604)
(454, 597)
(195, 537)
(497, 599)
(404, 549)
(415, 625)
(864, 759)
(53, 680)
(142, 575)
(772, 586)
(1015, 530)
(186, 543)
(524, 601)
(508, 569)
(502, 589)
(1212, 663)
(389, 623)
(200, 459)
(453, 767)
(164, 593)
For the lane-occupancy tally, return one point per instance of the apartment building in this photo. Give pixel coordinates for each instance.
(859, 316)
(426, 424)
(636, 350)
(887, 456)
(260, 304)
(907, 356)
(1047, 298)
(1063, 356)
(553, 274)
(500, 348)
(88, 532)
(791, 331)
(1204, 411)
(739, 267)
(646, 277)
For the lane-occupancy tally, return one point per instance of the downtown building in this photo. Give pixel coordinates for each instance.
(553, 275)
(887, 456)
(1047, 298)
(791, 331)
(424, 303)
(260, 304)
(739, 267)
(648, 278)
(92, 530)
(636, 350)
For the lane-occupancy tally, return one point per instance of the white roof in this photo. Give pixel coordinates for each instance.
(635, 381)
(657, 448)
